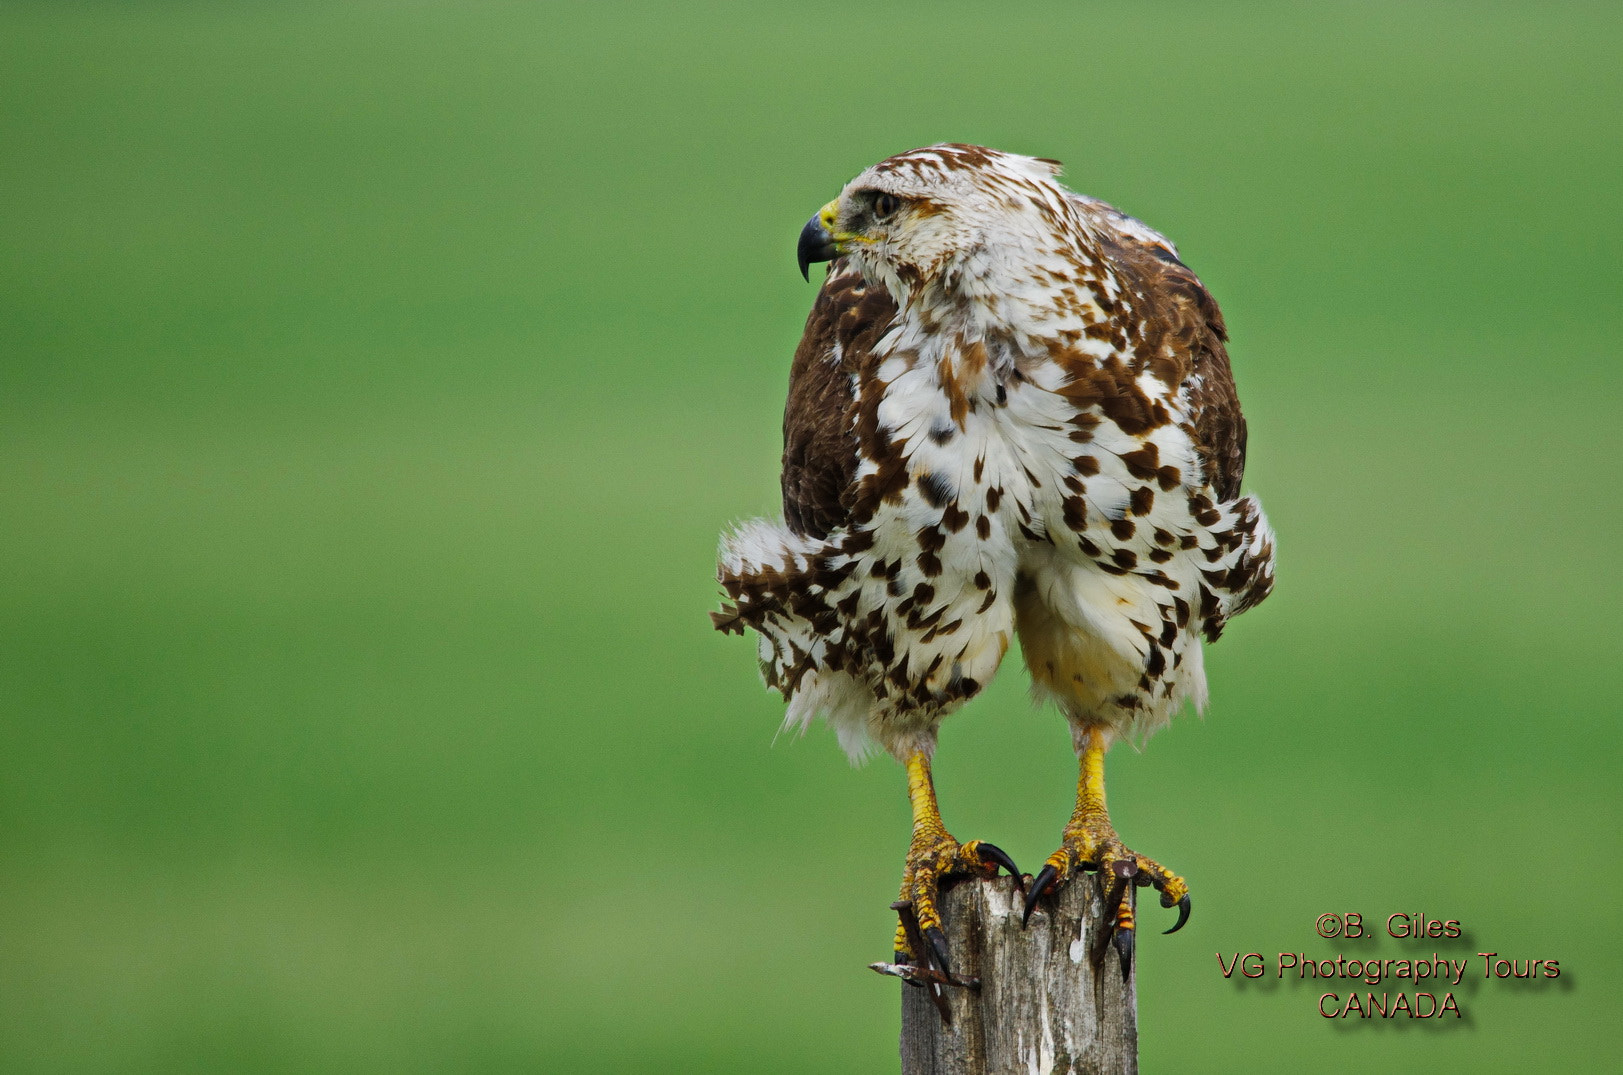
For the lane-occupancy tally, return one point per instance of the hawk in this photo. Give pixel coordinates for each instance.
(1011, 415)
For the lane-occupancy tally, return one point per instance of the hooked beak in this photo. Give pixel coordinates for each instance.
(816, 244)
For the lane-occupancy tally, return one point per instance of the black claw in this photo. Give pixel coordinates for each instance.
(1039, 885)
(938, 941)
(1183, 914)
(991, 853)
(1124, 946)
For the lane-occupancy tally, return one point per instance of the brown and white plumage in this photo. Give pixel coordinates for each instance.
(1011, 413)
(1016, 414)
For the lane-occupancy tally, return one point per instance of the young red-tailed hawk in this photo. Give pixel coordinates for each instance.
(1011, 413)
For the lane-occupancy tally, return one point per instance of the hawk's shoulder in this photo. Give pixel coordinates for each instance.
(1182, 325)
(819, 442)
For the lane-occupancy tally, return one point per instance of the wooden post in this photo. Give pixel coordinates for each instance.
(1051, 997)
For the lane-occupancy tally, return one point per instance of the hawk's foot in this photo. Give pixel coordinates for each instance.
(932, 858)
(1090, 843)
(1096, 847)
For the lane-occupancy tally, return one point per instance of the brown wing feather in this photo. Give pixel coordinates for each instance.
(819, 446)
(1183, 320)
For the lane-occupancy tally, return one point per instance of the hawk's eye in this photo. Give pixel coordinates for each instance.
(885, 205)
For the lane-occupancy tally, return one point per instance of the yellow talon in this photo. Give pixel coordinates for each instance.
(1090, 842)
(933, 856)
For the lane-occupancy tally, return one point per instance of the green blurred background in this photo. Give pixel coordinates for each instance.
(375, 379)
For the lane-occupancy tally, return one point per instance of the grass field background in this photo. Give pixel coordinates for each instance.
(375, 379)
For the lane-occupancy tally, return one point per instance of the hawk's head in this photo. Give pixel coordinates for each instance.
(946, 212)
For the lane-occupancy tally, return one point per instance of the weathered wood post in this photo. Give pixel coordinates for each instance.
(1051, 997)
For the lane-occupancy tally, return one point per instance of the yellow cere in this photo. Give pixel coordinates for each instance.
(827, 215)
